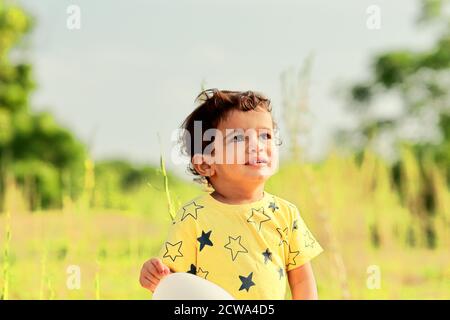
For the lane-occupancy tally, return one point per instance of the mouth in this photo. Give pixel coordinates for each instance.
(258, 162)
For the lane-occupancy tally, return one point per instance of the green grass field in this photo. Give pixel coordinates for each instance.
(340, 201)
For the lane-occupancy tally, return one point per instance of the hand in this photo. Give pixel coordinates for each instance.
(152, 272)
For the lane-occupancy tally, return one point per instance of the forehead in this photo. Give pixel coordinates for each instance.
(246, 120)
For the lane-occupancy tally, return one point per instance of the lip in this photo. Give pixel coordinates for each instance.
(256, 165)
(258, 162)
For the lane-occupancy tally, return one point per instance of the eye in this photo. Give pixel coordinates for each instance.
(265, 136)
(238, 138)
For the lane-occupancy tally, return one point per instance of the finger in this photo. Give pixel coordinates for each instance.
(152, 283)
(148, 283)
(166, 270)
(151, 270)
(158, 265)
(145, 283)
(154, 274)
(148, 269)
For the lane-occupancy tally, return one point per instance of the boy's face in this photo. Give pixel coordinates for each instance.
(247, 146)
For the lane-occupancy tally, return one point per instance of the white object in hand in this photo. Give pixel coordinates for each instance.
(186, 286)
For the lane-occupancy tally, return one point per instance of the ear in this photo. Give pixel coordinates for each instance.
(204, 165)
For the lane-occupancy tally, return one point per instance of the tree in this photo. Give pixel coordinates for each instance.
(421, 80)
(34, 149)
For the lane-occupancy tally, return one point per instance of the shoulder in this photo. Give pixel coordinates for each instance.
(189, 210)
(283, 202)
(286, 206)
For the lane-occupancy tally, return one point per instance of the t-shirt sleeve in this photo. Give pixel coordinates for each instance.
(179, 250)
(303, 247)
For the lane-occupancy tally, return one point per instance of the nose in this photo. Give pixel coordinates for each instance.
(254, 144)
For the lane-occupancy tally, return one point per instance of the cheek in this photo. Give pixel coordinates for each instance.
(234, 153)
(272, 153)
(229, 172)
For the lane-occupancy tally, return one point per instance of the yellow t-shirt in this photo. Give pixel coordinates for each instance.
(246, 249)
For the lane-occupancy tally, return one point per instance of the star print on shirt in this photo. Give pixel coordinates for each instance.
(258, 219)
(235, 246)
(309, 240)
(292, 257)
(273, 206)
(202, 273)
(283, 235)
(193, 269)
(246, 282)
(280, 272)
(295, 225)
(191, 210)
(173, 251)
(204, 239)
(267, 255)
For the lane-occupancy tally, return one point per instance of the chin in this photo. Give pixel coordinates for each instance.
(259, 178)
(257, 175)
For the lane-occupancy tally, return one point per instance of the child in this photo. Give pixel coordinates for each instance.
(240, 237)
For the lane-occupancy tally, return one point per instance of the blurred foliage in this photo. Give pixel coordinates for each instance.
(365, 218)
(116, 213)
(422, 81)
(47, 160)
(34, 148)
(433, 10)
(128, 177)
(118, 181)
(420, 78)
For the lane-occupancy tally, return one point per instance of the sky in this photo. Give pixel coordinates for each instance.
(134, 67)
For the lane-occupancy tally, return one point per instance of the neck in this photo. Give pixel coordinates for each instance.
(238, 194)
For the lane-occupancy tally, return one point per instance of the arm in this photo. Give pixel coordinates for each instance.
(303, 283)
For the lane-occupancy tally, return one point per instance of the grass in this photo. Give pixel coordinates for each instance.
(97, 281)
(171, 209)
(340, 201)
(6, 258)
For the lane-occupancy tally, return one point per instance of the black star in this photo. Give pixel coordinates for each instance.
(204, 239)
(258, 219)
(273, 206)
(267, 255)
(295, 225)
(281, 272)
(188, 210)
(246, 282)
(192, 270)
